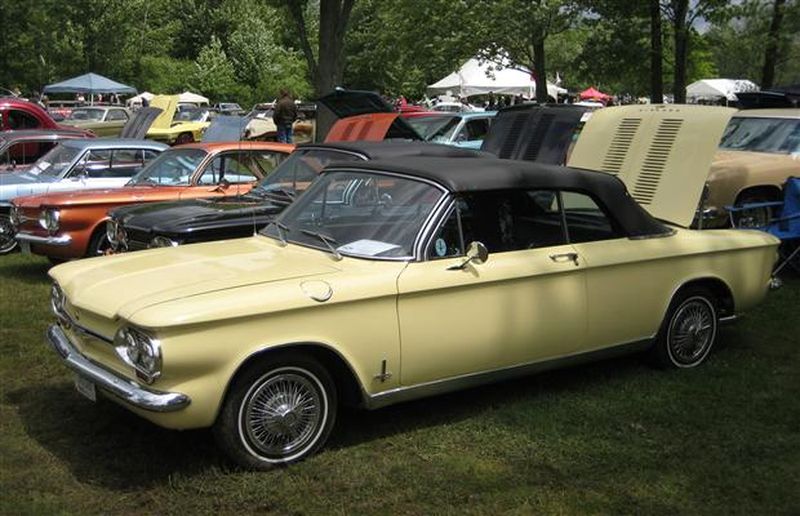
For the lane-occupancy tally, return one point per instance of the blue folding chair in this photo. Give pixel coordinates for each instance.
(785, 225)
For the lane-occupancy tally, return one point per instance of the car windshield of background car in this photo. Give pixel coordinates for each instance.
(362, 214)
(86, 114)
(435, 128)
(776, 135)
(190, 115)
(298, 171)
(172, 168)
(55, 163)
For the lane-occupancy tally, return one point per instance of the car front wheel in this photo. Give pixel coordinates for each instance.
(688, 331)
(278, 411)
(7, 233)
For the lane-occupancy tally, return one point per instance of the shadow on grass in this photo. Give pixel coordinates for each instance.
(31, 272)
(106, 445)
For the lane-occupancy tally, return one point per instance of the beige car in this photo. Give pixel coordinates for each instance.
(395, 279)
(759, 151)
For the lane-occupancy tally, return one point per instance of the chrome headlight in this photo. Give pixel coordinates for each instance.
(111, 231)
(162, 241)
(57, 300)
(49, 220)
(14, 215)
(140, 351)
(117, 235)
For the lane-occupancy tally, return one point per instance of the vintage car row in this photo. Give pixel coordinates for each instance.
(74, 222)
(72, 165)
(394, 279)
(17, 114)
(100, 120)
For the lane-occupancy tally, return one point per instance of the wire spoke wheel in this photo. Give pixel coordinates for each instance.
(7, 233)
(283, 414)
(691, 331)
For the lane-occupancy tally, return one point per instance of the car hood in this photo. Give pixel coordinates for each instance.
(662, 153)
(167, 104)
(176, 217)
(122, 285)
(18, 184)
(23, 177)
(123, 194)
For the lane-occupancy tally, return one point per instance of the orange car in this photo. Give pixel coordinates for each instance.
(72, 225)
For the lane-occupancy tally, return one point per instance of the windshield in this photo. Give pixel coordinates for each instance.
(56, 162)
(191, 115)
(86, 114)
(435, 128)
(297, 171)
(172, 168)
(364, 214)
(777, 135)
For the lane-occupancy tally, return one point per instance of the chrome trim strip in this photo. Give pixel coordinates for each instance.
(127, 390)
(59, 241)
(436, 387)
(730, 319)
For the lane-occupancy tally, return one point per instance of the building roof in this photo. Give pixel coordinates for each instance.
(487, 174)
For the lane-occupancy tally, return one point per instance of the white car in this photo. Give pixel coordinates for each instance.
(74, 165)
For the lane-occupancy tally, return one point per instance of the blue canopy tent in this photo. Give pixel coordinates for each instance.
(90, 83)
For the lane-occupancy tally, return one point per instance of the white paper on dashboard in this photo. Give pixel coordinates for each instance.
(44, 165)
(367, 247)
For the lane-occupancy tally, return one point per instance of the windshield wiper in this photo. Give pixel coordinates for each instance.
(286, 194)
(327, 240)
(282, 230)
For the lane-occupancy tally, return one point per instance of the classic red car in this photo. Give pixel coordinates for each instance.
(75, 223)
(20, 114)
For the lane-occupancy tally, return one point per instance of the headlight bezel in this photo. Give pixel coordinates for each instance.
(160, 241)
(15, 216)
(58, 301)
(50, 220)
(140, 350)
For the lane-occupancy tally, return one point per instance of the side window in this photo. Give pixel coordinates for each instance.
(116, 115)
(239, 168)
(503, 221)
(21, 120)
(26, 153)
(477, 129)
(150, 155)
(586, 221)
(212, 173)
(266, 161)
(125, 163)
(96, 164)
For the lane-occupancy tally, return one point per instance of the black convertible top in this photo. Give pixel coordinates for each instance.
(486, 174)
(396, 149)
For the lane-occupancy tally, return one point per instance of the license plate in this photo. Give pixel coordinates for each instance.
(86, 388)
(25, 247)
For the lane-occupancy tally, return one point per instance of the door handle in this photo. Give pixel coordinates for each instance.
(565, 257)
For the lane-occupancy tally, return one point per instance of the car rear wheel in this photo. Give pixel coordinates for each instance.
(7, 232)
(752, 217)
(688, 331)
(278, 411)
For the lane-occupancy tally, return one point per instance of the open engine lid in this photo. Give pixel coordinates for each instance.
(137, 126)
(364, 115)
(168, 104)
(661, 152)
(531, 132)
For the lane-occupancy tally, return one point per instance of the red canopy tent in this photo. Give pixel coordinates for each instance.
(592, 94)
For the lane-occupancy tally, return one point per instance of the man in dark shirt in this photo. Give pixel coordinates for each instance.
(284, 115)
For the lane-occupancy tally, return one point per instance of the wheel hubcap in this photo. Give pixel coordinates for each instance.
(7, 233)
(692, 331)
(282, 415)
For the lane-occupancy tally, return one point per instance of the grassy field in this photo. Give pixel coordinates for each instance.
(615, 437)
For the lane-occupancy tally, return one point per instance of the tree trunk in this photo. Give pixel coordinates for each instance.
(681, 8)
(773, 46)
(540, 70)
(656, 54)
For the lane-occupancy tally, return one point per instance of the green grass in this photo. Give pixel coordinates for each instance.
(615, 437)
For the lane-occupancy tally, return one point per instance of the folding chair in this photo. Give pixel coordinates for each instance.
(785, 225)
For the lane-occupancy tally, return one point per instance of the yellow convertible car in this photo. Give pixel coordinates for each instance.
(174, 128)
(397, 279)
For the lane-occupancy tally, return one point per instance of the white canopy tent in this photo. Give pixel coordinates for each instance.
(137, 100)
(476, 78)
(714, 89)
(188, 96)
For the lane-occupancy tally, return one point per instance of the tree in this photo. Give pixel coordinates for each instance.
(656, 54)
(213, 72)
(517, 30)
(326, 66)
(771, 56)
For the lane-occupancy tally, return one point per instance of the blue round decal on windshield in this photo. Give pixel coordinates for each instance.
(441, 247)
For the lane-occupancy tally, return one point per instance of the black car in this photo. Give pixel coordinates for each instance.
(142, 226)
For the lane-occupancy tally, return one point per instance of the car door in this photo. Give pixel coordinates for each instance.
(525, 304)
(114, 122)
(627, 281)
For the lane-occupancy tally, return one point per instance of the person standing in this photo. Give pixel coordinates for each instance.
(284, 115)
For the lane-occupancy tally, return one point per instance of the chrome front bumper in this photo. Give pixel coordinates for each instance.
(59, 241)
(108, 381)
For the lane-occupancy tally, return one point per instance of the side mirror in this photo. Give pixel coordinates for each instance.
(476, 253)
